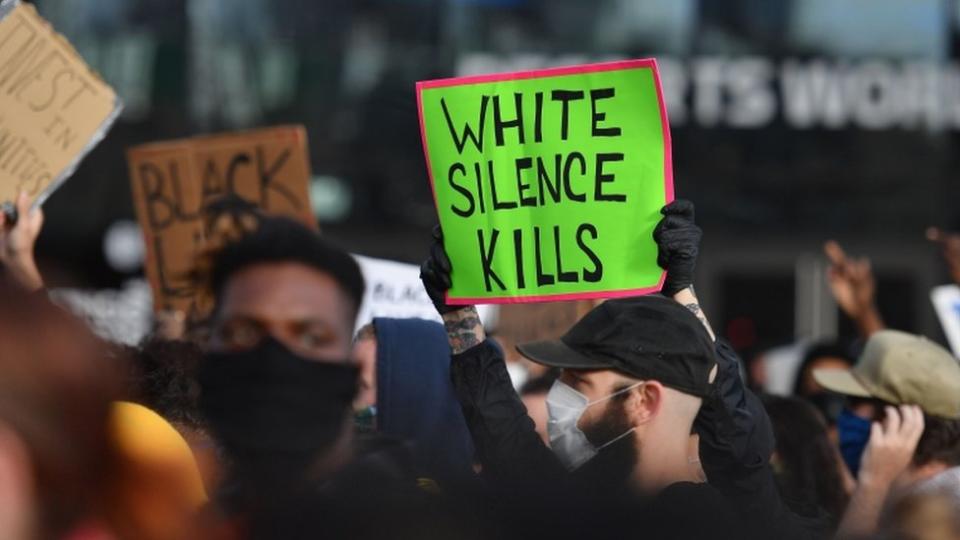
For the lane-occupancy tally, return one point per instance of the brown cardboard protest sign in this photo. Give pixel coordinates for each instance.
(178, 184)
(53, 108)
(523, 323)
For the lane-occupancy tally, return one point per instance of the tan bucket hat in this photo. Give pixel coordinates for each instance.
(902, 369)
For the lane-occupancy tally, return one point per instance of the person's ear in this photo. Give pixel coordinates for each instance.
(644, 402)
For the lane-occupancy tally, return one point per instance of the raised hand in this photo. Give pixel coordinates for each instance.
(854, 287)
(462, 323)
(435, 274)
(17, 241)
(889, 452)
(892, 445)
(678, 240)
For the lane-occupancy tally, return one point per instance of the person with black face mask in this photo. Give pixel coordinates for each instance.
(278, 414)
(277, 381)
(277, 387)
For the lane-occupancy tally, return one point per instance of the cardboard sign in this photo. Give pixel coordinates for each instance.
(394, 290)
(177, 183)
(946, 300)
(524, 323)
(53, 108)
(549, 183)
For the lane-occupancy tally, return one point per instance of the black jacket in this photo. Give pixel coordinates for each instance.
(736, 442)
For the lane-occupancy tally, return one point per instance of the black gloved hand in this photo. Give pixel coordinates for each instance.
(678, 239)
(435, 274)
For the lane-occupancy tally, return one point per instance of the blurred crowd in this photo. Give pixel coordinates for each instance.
(276, 418)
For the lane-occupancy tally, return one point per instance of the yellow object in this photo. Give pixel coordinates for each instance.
(429, 485)
(146, 438)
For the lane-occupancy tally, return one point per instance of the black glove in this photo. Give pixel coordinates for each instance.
(435, 274)
(678, 240)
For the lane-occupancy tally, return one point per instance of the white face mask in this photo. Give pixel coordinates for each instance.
(565, 406)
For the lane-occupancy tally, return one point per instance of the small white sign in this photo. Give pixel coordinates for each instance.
(394, 290)
(946, 300)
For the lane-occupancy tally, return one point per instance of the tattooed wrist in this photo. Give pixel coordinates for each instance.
(688, 299)
(695, 309)
(464, 329)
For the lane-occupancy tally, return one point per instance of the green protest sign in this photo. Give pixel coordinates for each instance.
(549, 183)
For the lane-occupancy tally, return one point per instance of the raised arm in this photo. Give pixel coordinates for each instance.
(854, 288)
(510, 451)
(17, 242)
(736, 438)
(678, 239)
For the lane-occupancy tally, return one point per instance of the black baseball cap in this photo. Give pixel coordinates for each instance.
(645, 337)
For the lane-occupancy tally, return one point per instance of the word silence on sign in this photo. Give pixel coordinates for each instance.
(193, 194)
(53, 107)
(548, 184)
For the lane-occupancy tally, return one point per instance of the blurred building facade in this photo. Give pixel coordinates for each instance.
(794, 121)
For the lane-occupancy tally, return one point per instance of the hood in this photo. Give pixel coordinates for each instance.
(415, 397)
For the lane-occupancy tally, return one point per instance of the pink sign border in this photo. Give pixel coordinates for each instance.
(642, 63)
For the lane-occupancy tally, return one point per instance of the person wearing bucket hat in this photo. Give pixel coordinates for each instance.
(901, 427)
(901, 369)
(638, 376)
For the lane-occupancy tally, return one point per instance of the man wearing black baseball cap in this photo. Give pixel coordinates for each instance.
(632, 368)
(639, 375)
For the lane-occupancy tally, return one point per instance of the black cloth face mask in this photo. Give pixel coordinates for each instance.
(270, 404)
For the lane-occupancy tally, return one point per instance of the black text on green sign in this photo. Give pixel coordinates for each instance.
(535, 181)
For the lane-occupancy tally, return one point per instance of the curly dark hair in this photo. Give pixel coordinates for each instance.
(281, 239)
(940, 442)
(165, 379)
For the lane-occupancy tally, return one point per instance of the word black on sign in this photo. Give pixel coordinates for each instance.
(190, 193)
